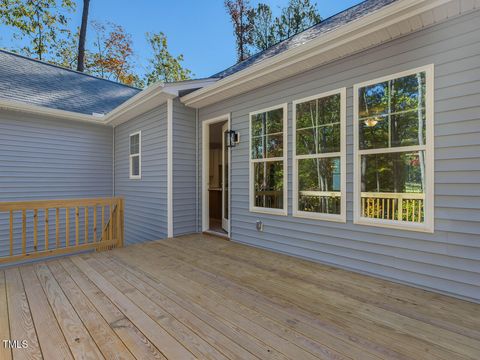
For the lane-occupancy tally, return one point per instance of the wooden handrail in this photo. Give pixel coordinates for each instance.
(50, 235)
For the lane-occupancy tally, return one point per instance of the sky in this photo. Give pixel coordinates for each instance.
(198, 29)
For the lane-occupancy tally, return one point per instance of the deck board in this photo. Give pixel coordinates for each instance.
(201, 297)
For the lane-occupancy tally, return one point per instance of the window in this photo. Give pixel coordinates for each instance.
(136, 155)
(319, 163)
(393, 130)
(268, 160)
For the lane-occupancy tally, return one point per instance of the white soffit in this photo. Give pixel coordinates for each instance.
(395, 20)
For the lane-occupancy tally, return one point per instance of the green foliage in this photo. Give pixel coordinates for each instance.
(163, 65)
(43, 22)
(297, 16)
(263, 32)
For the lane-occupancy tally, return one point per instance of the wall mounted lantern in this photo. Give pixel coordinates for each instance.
(233, 138)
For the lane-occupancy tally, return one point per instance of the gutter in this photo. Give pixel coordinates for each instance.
(19, 106)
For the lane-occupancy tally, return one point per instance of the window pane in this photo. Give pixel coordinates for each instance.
(135, 144)
(373, 100)
(258, 124)
(393, 186)
(306, 114)
(329, 109)
(306, 141)
(407, 130)
(328, 138)
(258, 147)
(274, 145)
(392, 113)
(263, 144)
(321, 134)
(317, 179)
(407, 91)
(268, 184)
(373, 133)
(135, 165)
(275, 121)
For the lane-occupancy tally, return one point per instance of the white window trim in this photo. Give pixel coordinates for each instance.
(284, 211)
(342, 217)
(130, 156)
(428, 225)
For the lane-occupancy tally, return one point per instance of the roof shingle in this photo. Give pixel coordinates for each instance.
(38, 83)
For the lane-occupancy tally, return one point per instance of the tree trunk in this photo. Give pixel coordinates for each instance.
(82, 37)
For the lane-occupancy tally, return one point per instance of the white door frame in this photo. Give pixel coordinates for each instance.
(206, 167)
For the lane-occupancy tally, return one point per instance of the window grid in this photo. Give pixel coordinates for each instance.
(418, 220)
(341, 217)
(135, 140)
(266, 160)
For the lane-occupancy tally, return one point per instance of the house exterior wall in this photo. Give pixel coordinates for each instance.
(43, 158)
(145, 198)
(184, 168)
(447, 260)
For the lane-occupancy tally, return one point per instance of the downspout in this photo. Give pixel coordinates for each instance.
(197, 200)
(113, 160)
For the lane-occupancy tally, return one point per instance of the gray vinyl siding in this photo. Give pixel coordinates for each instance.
(447, 260)
(146, 198)
(184, 168)
(44, 159)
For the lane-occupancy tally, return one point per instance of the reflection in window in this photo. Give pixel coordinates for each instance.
(392, 114)
(267, 159)
(318, 155)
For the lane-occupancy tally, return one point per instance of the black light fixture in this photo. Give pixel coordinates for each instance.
(233, 138)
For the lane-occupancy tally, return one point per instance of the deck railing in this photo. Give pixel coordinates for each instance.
(55, 227)
(393, 206)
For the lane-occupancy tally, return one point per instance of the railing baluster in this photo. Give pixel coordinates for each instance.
(24, 232)
(363, 206)
(57, 228)
(86, 224)
(11, 232)
(46, 229)
(76, 226)
(95, 223)
(67, 227)
(407, 205)
(388, 209)
(110, 227)
(383, 208)
(103, 222)
(420, 207)
(35, 229)
(118, 222)
(413, 210)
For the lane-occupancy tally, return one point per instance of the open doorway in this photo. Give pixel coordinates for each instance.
(215, 176)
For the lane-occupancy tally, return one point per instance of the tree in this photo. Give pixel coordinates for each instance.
(263, 35)
(112, 57)
(65, 51)
(242, 16)
(83, 36)
(296, 17)
(163, 65)
(43, 22)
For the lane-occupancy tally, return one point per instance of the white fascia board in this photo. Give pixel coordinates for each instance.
(360, 28)
(19, 106)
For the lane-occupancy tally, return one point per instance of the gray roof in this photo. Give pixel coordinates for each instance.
(39, 83)
(323, 27)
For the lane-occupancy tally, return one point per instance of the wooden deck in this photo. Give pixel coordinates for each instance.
(206, 298)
